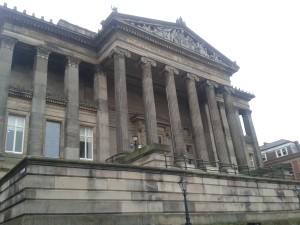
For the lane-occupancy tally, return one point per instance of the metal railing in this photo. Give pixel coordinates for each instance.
(187, 163)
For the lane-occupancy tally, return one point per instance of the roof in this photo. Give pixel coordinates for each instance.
(273, 144)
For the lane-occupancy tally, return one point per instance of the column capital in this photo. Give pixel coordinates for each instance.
(7, 42)
(72, 61)
(246, 111)
(99, 70)
(227, 89)
(119, 51)
(42, 52)
(144, 61)
(170, 70)
(210, 84)
(191, 77)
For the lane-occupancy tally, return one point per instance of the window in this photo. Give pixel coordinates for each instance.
(15, 134)
(86, 143)
(52, 139)
(252, 161)
(264, 157)
(281, 152)
(160, 138)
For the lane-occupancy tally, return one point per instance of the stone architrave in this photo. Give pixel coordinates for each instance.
(148, 100)
(250, 131)
(216, 124)
(195, 115)
(37, 113)
(7, 45)
(123, 142)
(177, 136)
(235, 129)
(72, 112)
(100, 90)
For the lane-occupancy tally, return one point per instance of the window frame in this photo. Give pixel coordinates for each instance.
(15, 128)
(85, 142)
(264, 154)
(281, 152)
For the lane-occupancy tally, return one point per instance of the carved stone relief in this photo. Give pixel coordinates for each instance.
(179, 37)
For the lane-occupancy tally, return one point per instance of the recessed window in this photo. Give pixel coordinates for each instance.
(52, 139)
(160, 138)
(281, 152)
(15, 134)
(86, 143)
(264, 157)
(189, 149)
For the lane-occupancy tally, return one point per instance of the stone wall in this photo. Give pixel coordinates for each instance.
(41, 191)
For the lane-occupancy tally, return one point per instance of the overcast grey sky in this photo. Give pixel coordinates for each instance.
(262, 36)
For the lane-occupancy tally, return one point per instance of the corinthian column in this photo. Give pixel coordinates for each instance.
(100, 88)
(148, 100)
(235, 128)
(197, 125)
(250, 131)
(6, 53)
(179, 146)
(72, 112)
(38, 104)
(216, 123)
(123, 144)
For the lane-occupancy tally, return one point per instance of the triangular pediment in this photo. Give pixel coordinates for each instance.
(176, 33)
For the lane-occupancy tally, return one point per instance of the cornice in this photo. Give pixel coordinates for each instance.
(23, 19)
(238, 93)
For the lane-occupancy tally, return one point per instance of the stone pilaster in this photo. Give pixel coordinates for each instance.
(227, 134)
(100, 90)
(7, 45)
(195, 115)
(37, 113)
(216, 123)
(250, 131)
(72, 112)
(148, 100)
(235, 128)
(177, 136)
(123, 142)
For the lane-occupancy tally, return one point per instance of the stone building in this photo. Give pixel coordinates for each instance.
(71, 101)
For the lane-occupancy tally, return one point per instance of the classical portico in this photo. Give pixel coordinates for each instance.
(162, 84)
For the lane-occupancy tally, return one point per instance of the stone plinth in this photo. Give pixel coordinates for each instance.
(44, 191)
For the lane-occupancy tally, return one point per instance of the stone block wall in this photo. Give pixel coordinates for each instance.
(41, 191)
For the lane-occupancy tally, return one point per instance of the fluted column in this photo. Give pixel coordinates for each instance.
(235, 130)
(250, 131)
(7, 45)
(72, 112)
(177, 136)
(123, 143)
(216, 123)
(148, 100)
(102, 142)
(195, 115)
(38, 104)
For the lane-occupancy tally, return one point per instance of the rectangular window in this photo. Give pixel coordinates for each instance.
(15, 134)
(264, 157)
(281, 152)
(86, 143)
(52, 139)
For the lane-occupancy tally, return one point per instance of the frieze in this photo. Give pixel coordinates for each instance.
(20, 91)
(178, 36)
(56, 98)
